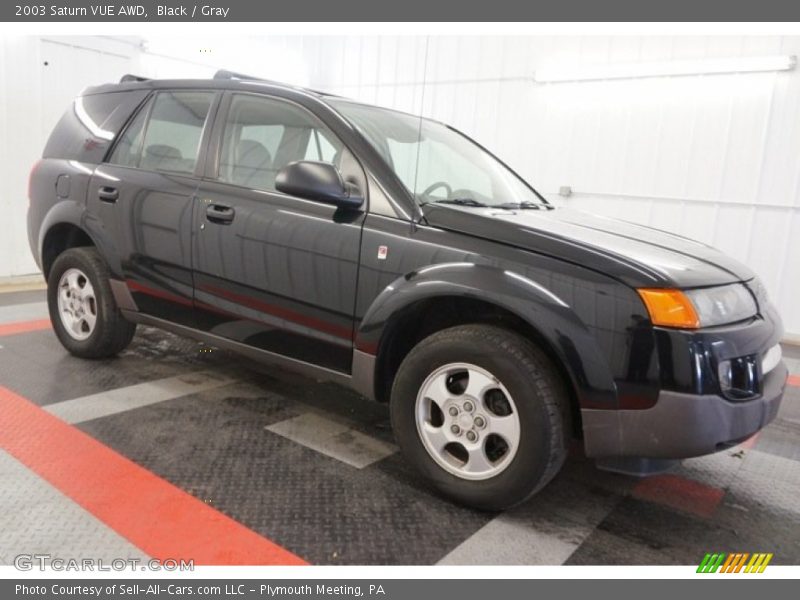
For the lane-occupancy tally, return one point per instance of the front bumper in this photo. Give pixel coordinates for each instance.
(682, 425)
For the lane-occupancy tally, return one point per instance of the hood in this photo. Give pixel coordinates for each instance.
(638, 255)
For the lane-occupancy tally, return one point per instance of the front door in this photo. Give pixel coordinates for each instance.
(271, 270)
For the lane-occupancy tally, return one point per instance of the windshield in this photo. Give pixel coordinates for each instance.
(436, 163)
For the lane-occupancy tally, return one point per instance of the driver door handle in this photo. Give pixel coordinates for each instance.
(220, 213)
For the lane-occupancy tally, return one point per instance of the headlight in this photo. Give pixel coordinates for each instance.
(721, 305)
(691, 309)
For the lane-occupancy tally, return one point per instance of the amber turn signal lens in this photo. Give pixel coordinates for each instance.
(670, 308)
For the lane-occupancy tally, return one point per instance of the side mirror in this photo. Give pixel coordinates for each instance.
(319, 181)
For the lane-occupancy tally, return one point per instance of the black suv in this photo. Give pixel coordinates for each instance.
(394, 255)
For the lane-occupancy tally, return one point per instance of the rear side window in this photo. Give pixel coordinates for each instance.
(128, 151)
(165, 136)
(89, 126)
(173, 133)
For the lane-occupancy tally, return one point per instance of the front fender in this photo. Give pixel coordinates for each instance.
(548, 314)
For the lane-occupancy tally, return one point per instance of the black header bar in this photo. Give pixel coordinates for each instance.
(402, 10)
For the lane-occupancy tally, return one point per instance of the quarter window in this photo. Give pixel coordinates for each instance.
(263, 135)
(320, 147)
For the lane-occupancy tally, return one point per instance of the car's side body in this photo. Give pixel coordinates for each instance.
(345, 295)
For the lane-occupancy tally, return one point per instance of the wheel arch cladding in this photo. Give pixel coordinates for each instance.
(67, 225)
(411, 308)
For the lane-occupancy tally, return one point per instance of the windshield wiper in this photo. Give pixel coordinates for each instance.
(461, 202)
(523, 205)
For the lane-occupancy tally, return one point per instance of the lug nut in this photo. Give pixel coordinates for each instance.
(480, 422)
(455, 429)
(472, 436)
(468, 406)
(453, 411)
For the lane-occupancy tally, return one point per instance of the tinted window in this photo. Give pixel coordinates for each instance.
(267, 135)
(435, 162)
(320, 147)
(173, 132)
(128, 150)
(90, 125)
(263, 135)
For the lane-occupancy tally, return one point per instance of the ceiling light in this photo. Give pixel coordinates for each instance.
(709, 66)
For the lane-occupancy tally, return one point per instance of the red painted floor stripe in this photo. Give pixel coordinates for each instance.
(750, 442)
(156, 516)
(794, 380)
(680, 493)
(24, 327)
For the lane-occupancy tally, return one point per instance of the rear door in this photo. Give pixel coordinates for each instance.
(275, 271)
(143, 194)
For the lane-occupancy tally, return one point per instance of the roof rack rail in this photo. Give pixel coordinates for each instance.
(225, 74)
(129, 77)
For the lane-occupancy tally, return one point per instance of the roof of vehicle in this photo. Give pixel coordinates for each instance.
(224, 80)
(230, 80)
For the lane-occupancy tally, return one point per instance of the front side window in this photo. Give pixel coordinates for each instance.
(435, 162)
(320, 147)
(170, 139)
(263, 135)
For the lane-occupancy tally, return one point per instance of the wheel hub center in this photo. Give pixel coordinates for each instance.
(465, 421)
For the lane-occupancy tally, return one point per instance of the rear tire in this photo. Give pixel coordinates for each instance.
(83, 312)
(483, 414)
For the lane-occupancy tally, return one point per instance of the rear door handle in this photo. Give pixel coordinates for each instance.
(220, 213)
(108, 194)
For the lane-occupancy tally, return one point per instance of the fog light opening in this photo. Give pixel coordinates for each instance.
(739, 378)
(725, 372)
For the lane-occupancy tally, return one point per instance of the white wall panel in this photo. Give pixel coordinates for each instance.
(38, 79)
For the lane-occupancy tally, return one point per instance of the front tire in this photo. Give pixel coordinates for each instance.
(83, 312)
(483, 415)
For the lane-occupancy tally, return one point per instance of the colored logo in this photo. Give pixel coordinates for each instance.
(735, 562)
